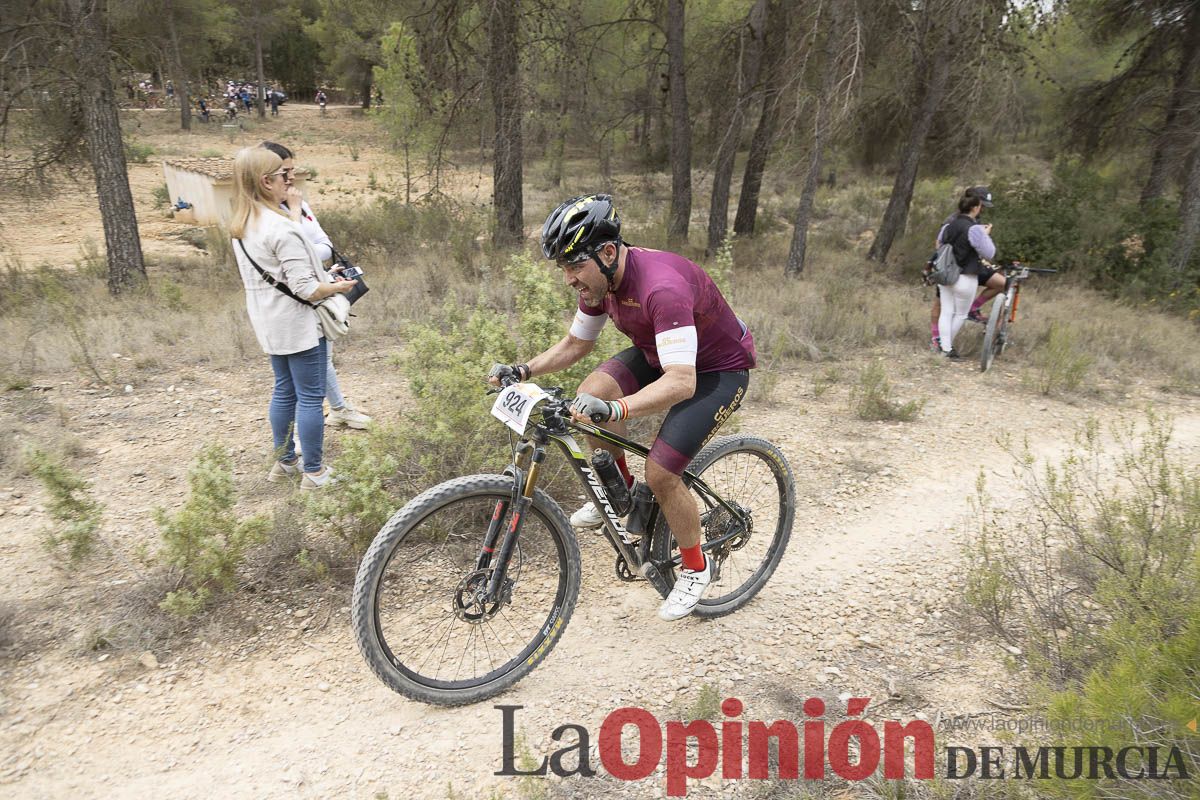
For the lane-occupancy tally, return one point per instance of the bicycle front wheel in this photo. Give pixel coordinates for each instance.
(754, 475)
(416, 610)
(993, 338)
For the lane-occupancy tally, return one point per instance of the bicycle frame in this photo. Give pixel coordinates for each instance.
(529, 455)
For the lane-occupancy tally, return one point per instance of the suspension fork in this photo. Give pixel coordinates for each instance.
(525, 482)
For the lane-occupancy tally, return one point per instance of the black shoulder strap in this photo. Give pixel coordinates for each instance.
(280, 286)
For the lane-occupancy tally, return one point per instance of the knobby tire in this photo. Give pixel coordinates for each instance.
(407, 611)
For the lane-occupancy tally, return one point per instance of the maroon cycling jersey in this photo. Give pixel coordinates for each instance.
(661, 292)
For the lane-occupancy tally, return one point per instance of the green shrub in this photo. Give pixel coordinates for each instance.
(1103, 554)
(205, 541)
(720, 269)
(872, 399)
(1058, 363)
(76, 514)
(162, 196)
(138, 153)
(375, 478)
(1097, 581)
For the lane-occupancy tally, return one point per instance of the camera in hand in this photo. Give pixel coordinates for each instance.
(350, 272)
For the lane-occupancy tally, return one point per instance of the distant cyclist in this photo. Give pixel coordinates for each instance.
(691, 357)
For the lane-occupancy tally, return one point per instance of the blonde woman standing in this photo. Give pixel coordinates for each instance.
(266, 242)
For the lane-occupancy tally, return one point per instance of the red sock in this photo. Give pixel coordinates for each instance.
(625, 473)
(977, 303)
(693, 558)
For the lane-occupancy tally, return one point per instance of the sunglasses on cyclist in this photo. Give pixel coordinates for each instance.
(286, 173)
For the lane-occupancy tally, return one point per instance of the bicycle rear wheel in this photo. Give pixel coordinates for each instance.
(415, 608)
(996, 333)
(754, 475)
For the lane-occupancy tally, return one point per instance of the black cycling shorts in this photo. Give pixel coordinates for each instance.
(985, 274)
(690, 423)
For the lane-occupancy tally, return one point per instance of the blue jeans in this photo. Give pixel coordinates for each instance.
(299, 394)
(333, 392)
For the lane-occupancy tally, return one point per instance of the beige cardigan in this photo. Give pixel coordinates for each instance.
(278, 245)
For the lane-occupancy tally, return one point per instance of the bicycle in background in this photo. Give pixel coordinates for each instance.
(998, 333)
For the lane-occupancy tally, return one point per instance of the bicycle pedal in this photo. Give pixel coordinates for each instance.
(652, 574)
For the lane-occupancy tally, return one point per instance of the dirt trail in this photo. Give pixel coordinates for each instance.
(272, 700)
(288, 709)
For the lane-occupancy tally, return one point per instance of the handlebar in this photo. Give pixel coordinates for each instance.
(557, 406)
(1017, 266)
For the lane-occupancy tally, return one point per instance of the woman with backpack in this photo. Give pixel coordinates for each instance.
(971, 243)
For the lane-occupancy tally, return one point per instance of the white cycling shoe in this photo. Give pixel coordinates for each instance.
(689, 588)
(587, 517)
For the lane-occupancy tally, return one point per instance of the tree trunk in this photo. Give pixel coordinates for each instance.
(366, 88)
(799, 247)
(178, 76)
(1189, 216)
(775, 48)
(123, 247)
(896, 215)
(651, 98)
(718, 209)
(1173, 136)
(504, 77)
(681, 129)
(260, 91)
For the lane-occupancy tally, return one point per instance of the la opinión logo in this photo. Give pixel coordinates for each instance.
(743, 750)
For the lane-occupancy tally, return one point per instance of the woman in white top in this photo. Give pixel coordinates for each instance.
(341, 411)
(287, 329)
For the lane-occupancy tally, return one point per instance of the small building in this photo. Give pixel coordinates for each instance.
(206, 186)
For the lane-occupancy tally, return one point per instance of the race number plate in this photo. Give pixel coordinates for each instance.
(515, 404)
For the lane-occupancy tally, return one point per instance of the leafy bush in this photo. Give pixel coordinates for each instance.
(1059, 365)
(206, 541)
(138, 153)
(162, 196)
(1103, 555)
(77, 515)
(1098, 582)
(872, 397)
(1079, 221)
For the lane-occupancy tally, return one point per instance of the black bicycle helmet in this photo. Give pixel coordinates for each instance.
(579, 226)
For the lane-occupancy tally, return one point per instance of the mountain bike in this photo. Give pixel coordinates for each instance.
(471, 584)
(1004, 311)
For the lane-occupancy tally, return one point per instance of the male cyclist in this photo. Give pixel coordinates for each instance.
(690, 355)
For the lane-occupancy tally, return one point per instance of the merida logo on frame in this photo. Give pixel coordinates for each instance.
(737, 750)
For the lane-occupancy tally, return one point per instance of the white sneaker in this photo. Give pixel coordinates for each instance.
(349, 416)
(587, 517)
(318, 480)
(689, 588)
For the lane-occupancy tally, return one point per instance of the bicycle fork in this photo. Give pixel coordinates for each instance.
(498, 558)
